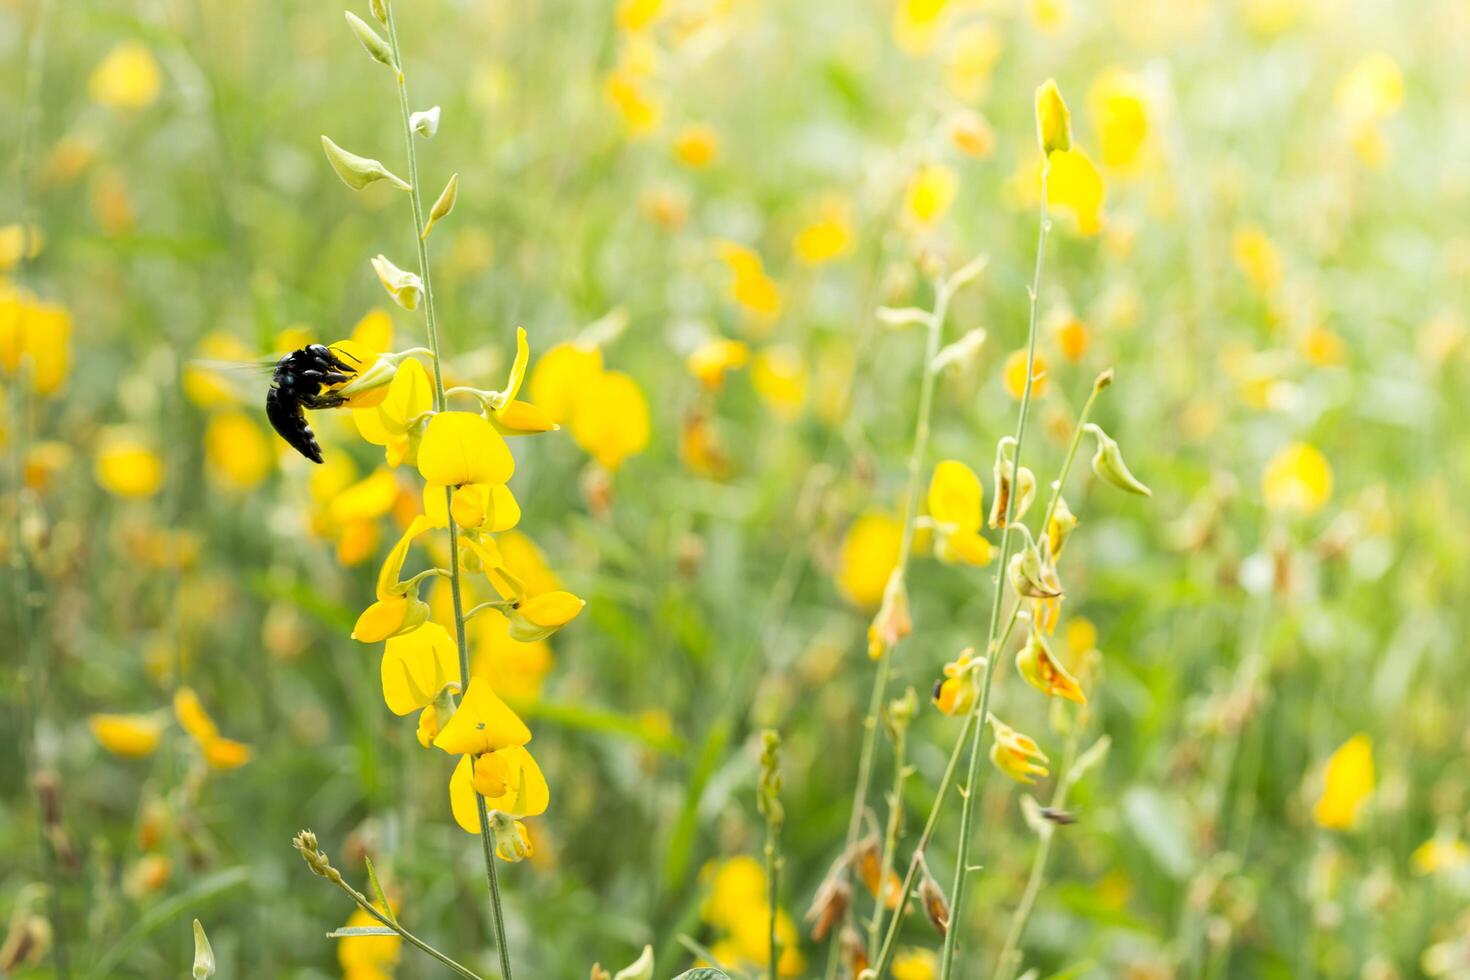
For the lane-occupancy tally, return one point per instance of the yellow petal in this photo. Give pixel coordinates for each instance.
(1075, 186)
(1298, 479)
(562, 375)
(930, 193)
(955, 495)
(389, 574)
(381, 620)
(611, 422)
(517, 367)
(367, 499)
(541, 615)
(128, 78)
(192, 716)
(225, 753)
(518, 418)
(461, 447)
(132, 736)
(1347, 783)
(238, 452)
(374, 331)
(416, 666)
(483, 723)
(869, 554)
(125, 467)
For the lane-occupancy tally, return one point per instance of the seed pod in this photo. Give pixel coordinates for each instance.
(830, 903)
(203, 954)
(932, 898)
(357, 172)
(380, 11)
(1053, 120)
(444, 204)
(372, 42)
(1108, 464)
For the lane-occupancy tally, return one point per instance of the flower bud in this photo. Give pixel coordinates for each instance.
(425, 123)
(372, 42)
(357, 172)
(1025, 489)
(1016, 755)
(512, 842)
(405, 287)
(203, 954)
(539, 616)
(1108, 464)
(893, 622)
(1063, 522)
(444, 204)
(639, 969)
(1053, 120)
(1028, 574)
(380, 10)
(1040, 668)
(955, 695)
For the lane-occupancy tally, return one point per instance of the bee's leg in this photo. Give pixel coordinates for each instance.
(340, 364)
(322, 401)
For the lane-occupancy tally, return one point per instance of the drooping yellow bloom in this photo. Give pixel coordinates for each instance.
(482, 723)
(126, 466)
(754, 291)
(476, 506)
(1298, 479)
(779, 376)
(697, 145)
(416, 666)
(463, 447)
(537, 617)
(368, 957)
(1016, 755)
(128, 78)
(517, 669)
(931, 191)
(219, 752)
(713, 359)
(1346, 784)
(131, 736)
(826, 238)
(869, 555)
(1042, 670)
(395, 611)
(1120, 110)
(611, 422)
(956, 501)
(238, 452)
(391, 422)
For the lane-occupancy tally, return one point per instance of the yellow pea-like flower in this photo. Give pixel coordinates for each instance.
(389, 423)
(869, 554)
(366, 500)
(1346, 784)
(482, 723)
(1120, 107)
(1298, 479)
(697, 146)
(1015, 754)
(1042, 670)
(514, 771)
(713, 359)
(127, 467)
(237, 450)
(931, 191)
(1074, 186)
(130, 736)
(219, 752)
(955, 495)
(538, 616)
(562, 376)
(463, 447)
(1053, 119)
(611, 422)
(416, 666)
(128, 78)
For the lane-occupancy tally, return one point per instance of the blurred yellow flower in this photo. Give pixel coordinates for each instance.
(697, 145)
(971, 134)
(219, 752)
(1371, 91)
(1049, 16)
(1440, 854)
(931, 191)
(1042, 670)
(44, 461)
(1013, 374)
(737, 905)
(1016, 755)
(18, 241)
(827, 237)
(971, 60)
(915, 964)
(463, 447)
(127, 467)
(238, 452)
(128, 78)
(1298, 479)
(561, 376)
(779, 377)
(869, 555)
(367, 957)
(1257, 257)
(712, 359)
(367, 499)
(416, 666)
(754, 291)
(1072, 339)
(131, 736)
(390, 423)
(1075, 187)
(1120, 111)
(37, 334)
(635, 15)
(1268, 18)
(517, 669)
(520, 556)
(611, 421)
(956, 507)
(639, 110)
(1346, 784)
(916, 24)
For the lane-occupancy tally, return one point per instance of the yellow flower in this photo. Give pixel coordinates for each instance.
(482, 723)
(627, 92)
(1075, 187)
(43, 462)
(869, 555)
(1371, 91)
(1014, 374)
(390, 423)
(463, 447)
(697, 145)
(508, 778)
(1120, 109)
(611, 421)
(827, 237)
(238, 452)
(972, 57)
(131, 736)
(18, 242)
(1053, 119)
(1440, 853)
(1049, 16)
(36, 333)
(219, 752)
(915, 964)
(931, 191)
(1043, 671)
(971, 134)
(477, 506)
(779, 377)
(537, 617)
(1257, 258)
(750, 287)
(520, 556)
(634, 15)
(712, 359)
(1347, 782)
(737, 905)
(416, 666)
(1016, 755)
(126, 467)
(366, 500)
(395, 611)
(128, 78)
(1298, 479)
(517, 669)
(561, 377)
(956, 507)
(916, 24)
(367, 957)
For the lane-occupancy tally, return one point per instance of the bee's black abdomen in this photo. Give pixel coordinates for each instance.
(288, 419)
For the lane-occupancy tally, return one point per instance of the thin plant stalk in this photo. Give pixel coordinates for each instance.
(773, 897)
(372, 910)
(943, 290)
(487, 845)
(890, 834)
(982, 707)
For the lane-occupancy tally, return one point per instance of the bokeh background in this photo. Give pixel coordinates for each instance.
(1278, 275)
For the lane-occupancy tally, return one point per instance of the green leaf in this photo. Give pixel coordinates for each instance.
(387, 909)
(703, 973)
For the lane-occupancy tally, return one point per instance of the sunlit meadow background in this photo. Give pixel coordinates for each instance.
(1279, 280)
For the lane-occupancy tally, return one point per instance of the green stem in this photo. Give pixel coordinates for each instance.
(372, 910)
(487, 845)
(890, 837)
(977, 737)
(773, 898)
(935, 327)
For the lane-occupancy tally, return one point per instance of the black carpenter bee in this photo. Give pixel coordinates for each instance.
(299, 383)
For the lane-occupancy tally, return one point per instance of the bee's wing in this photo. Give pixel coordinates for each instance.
(261, 365)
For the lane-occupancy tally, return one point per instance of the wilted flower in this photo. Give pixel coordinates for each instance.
(1016, 755)
(1025, 489)
(1042, 670)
